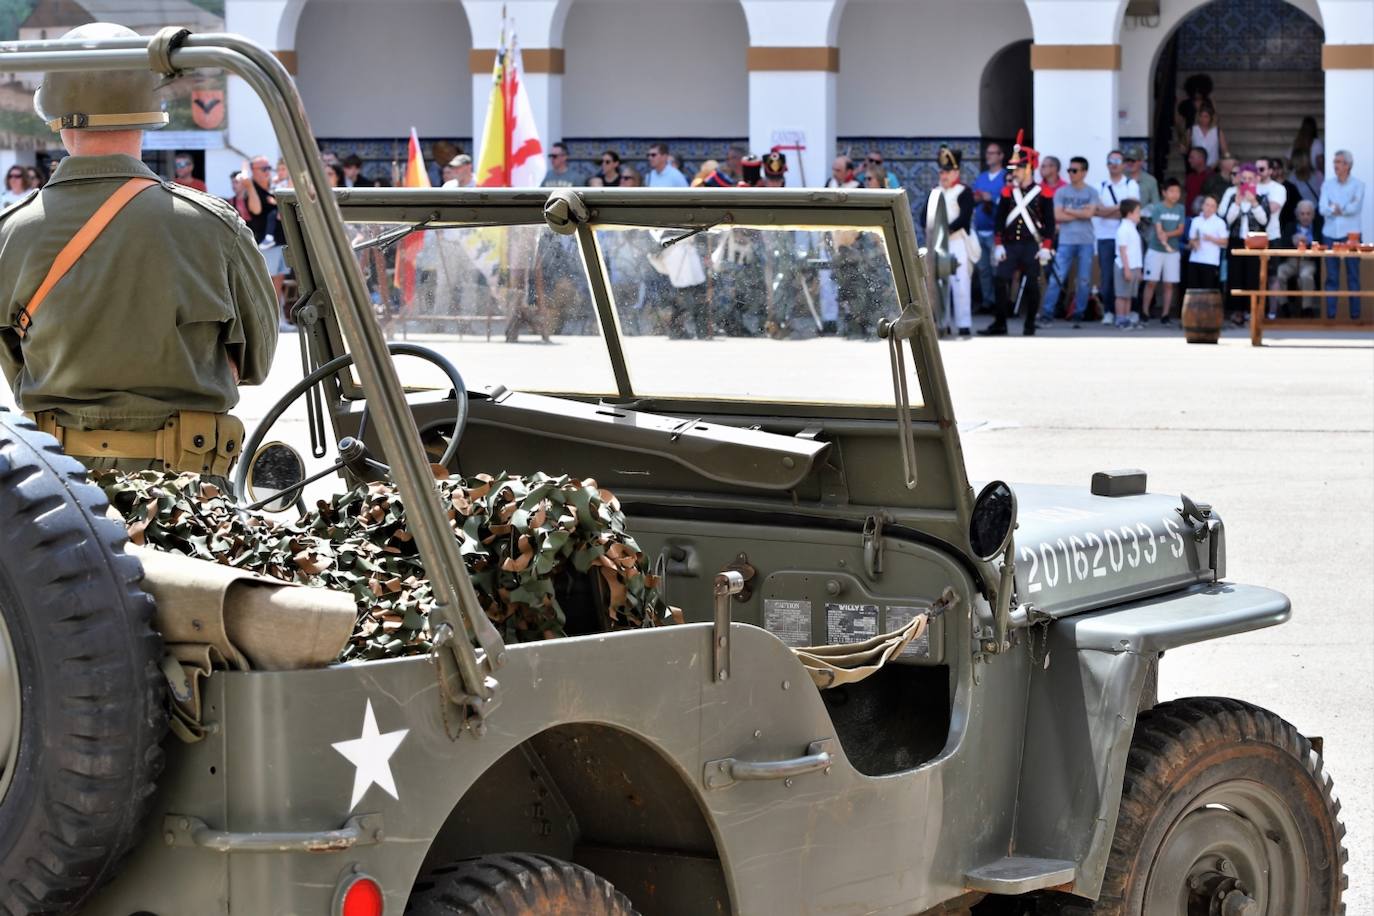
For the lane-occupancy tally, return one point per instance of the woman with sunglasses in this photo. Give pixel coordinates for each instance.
(16, 187)
(610, 169)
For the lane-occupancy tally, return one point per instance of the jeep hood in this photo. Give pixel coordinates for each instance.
(1076, 551)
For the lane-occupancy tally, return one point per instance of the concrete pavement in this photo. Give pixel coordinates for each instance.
(1279, 439)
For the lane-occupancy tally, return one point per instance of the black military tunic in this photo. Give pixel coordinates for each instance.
(1025, 224)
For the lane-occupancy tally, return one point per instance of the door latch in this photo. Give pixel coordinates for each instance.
(873, 545)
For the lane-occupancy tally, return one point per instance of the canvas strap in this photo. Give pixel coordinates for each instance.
(74, 249)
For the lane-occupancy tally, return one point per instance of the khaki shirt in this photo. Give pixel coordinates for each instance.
(145, 323)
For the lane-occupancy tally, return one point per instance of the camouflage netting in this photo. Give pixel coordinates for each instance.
(548, 556)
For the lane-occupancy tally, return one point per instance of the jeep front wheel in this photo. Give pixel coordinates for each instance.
(516, 884)
(1226, 811)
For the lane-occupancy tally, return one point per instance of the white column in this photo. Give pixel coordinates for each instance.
(250, 131)
(539, 29)
(1076, 63)
(793, 65)
(1348, 59)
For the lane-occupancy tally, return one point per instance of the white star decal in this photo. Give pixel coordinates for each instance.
(371, 755)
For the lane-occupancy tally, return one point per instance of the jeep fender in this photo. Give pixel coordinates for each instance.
(1087, 676)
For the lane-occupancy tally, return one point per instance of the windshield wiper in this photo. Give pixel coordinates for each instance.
(668, 243)
(387, 239)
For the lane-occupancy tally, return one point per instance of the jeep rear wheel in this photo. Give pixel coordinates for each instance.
(81, 694)
(516, 884)
(1226, 811)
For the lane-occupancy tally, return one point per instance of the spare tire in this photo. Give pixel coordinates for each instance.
(82, 712)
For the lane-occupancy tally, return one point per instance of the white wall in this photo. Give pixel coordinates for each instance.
(1140, 45)
(369, 69)
(913, 68)
(637, 69)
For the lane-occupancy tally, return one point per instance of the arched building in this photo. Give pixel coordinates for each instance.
(902, 76)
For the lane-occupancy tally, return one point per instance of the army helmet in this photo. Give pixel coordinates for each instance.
(100, 99)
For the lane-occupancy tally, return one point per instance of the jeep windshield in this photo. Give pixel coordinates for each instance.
(774, 304)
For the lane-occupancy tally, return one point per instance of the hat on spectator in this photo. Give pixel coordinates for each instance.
(460, 160)
(950, 159)
(1133, 154)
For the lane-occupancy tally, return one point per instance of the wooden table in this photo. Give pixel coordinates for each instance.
(1258, 314)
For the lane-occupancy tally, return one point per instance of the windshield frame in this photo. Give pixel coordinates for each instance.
(886, 212)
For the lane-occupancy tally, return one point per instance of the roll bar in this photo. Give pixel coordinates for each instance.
(457, 620)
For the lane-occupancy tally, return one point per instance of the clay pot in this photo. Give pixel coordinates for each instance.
(1318, 246)
(1302, 244)
(1257, 241)
(1353, 238)
(1339, 246)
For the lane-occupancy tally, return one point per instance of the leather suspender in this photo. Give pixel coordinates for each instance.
(74, 249)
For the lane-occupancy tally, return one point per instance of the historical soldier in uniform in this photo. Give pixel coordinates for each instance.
(963, 243)
(133, 307)
(1024, 236)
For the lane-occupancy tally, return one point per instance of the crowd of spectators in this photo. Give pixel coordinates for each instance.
(1144, 241)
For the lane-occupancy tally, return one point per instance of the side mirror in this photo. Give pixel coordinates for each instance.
(276, 468)
(993, 520)
(990, 527)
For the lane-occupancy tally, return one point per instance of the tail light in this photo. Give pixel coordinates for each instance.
(359, 895)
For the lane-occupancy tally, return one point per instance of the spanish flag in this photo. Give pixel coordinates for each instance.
(511, 154)
(415, 177)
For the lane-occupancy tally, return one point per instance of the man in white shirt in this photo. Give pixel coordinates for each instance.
(1111, 191)
(458, 172)
(661, 172)
(1274, 192)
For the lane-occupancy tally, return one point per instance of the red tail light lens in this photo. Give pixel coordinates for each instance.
(361, 897)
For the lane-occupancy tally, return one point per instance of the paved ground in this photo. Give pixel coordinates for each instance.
(1279, 439)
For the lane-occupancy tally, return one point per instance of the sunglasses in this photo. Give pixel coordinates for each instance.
(875, 161)
(1114, 161)
(608, 162)
(15, 175)
(1073, 170)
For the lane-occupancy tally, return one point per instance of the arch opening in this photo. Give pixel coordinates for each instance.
(1006, 94)
(1263, 59)
(398, 41)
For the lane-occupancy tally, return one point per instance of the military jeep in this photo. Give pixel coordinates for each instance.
(793, 469)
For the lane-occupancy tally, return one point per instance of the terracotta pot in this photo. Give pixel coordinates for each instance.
(1318, 246)
(1302, 244)
(1367, 247)
(1257, 241)
(1353, 238)
(1339, 246)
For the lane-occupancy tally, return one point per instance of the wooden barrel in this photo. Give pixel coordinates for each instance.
(1202, 315)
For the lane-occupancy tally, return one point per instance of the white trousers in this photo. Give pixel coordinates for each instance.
(961, 285)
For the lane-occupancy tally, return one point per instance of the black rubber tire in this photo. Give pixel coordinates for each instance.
(92, 708)
(1182, 748)
(514, 885)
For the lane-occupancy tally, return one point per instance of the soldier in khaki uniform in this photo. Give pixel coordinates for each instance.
(130, 308)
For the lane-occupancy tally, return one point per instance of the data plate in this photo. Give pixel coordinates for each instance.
(789, 621)
(898, 617)
(846, 623)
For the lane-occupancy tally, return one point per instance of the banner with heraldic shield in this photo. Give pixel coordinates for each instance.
(207, 108)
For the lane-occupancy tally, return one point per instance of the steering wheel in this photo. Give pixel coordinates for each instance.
(352, 453)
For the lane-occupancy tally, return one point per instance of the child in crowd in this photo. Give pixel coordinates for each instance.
(1206, 237)
(1162, 257)
(1128, 261)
